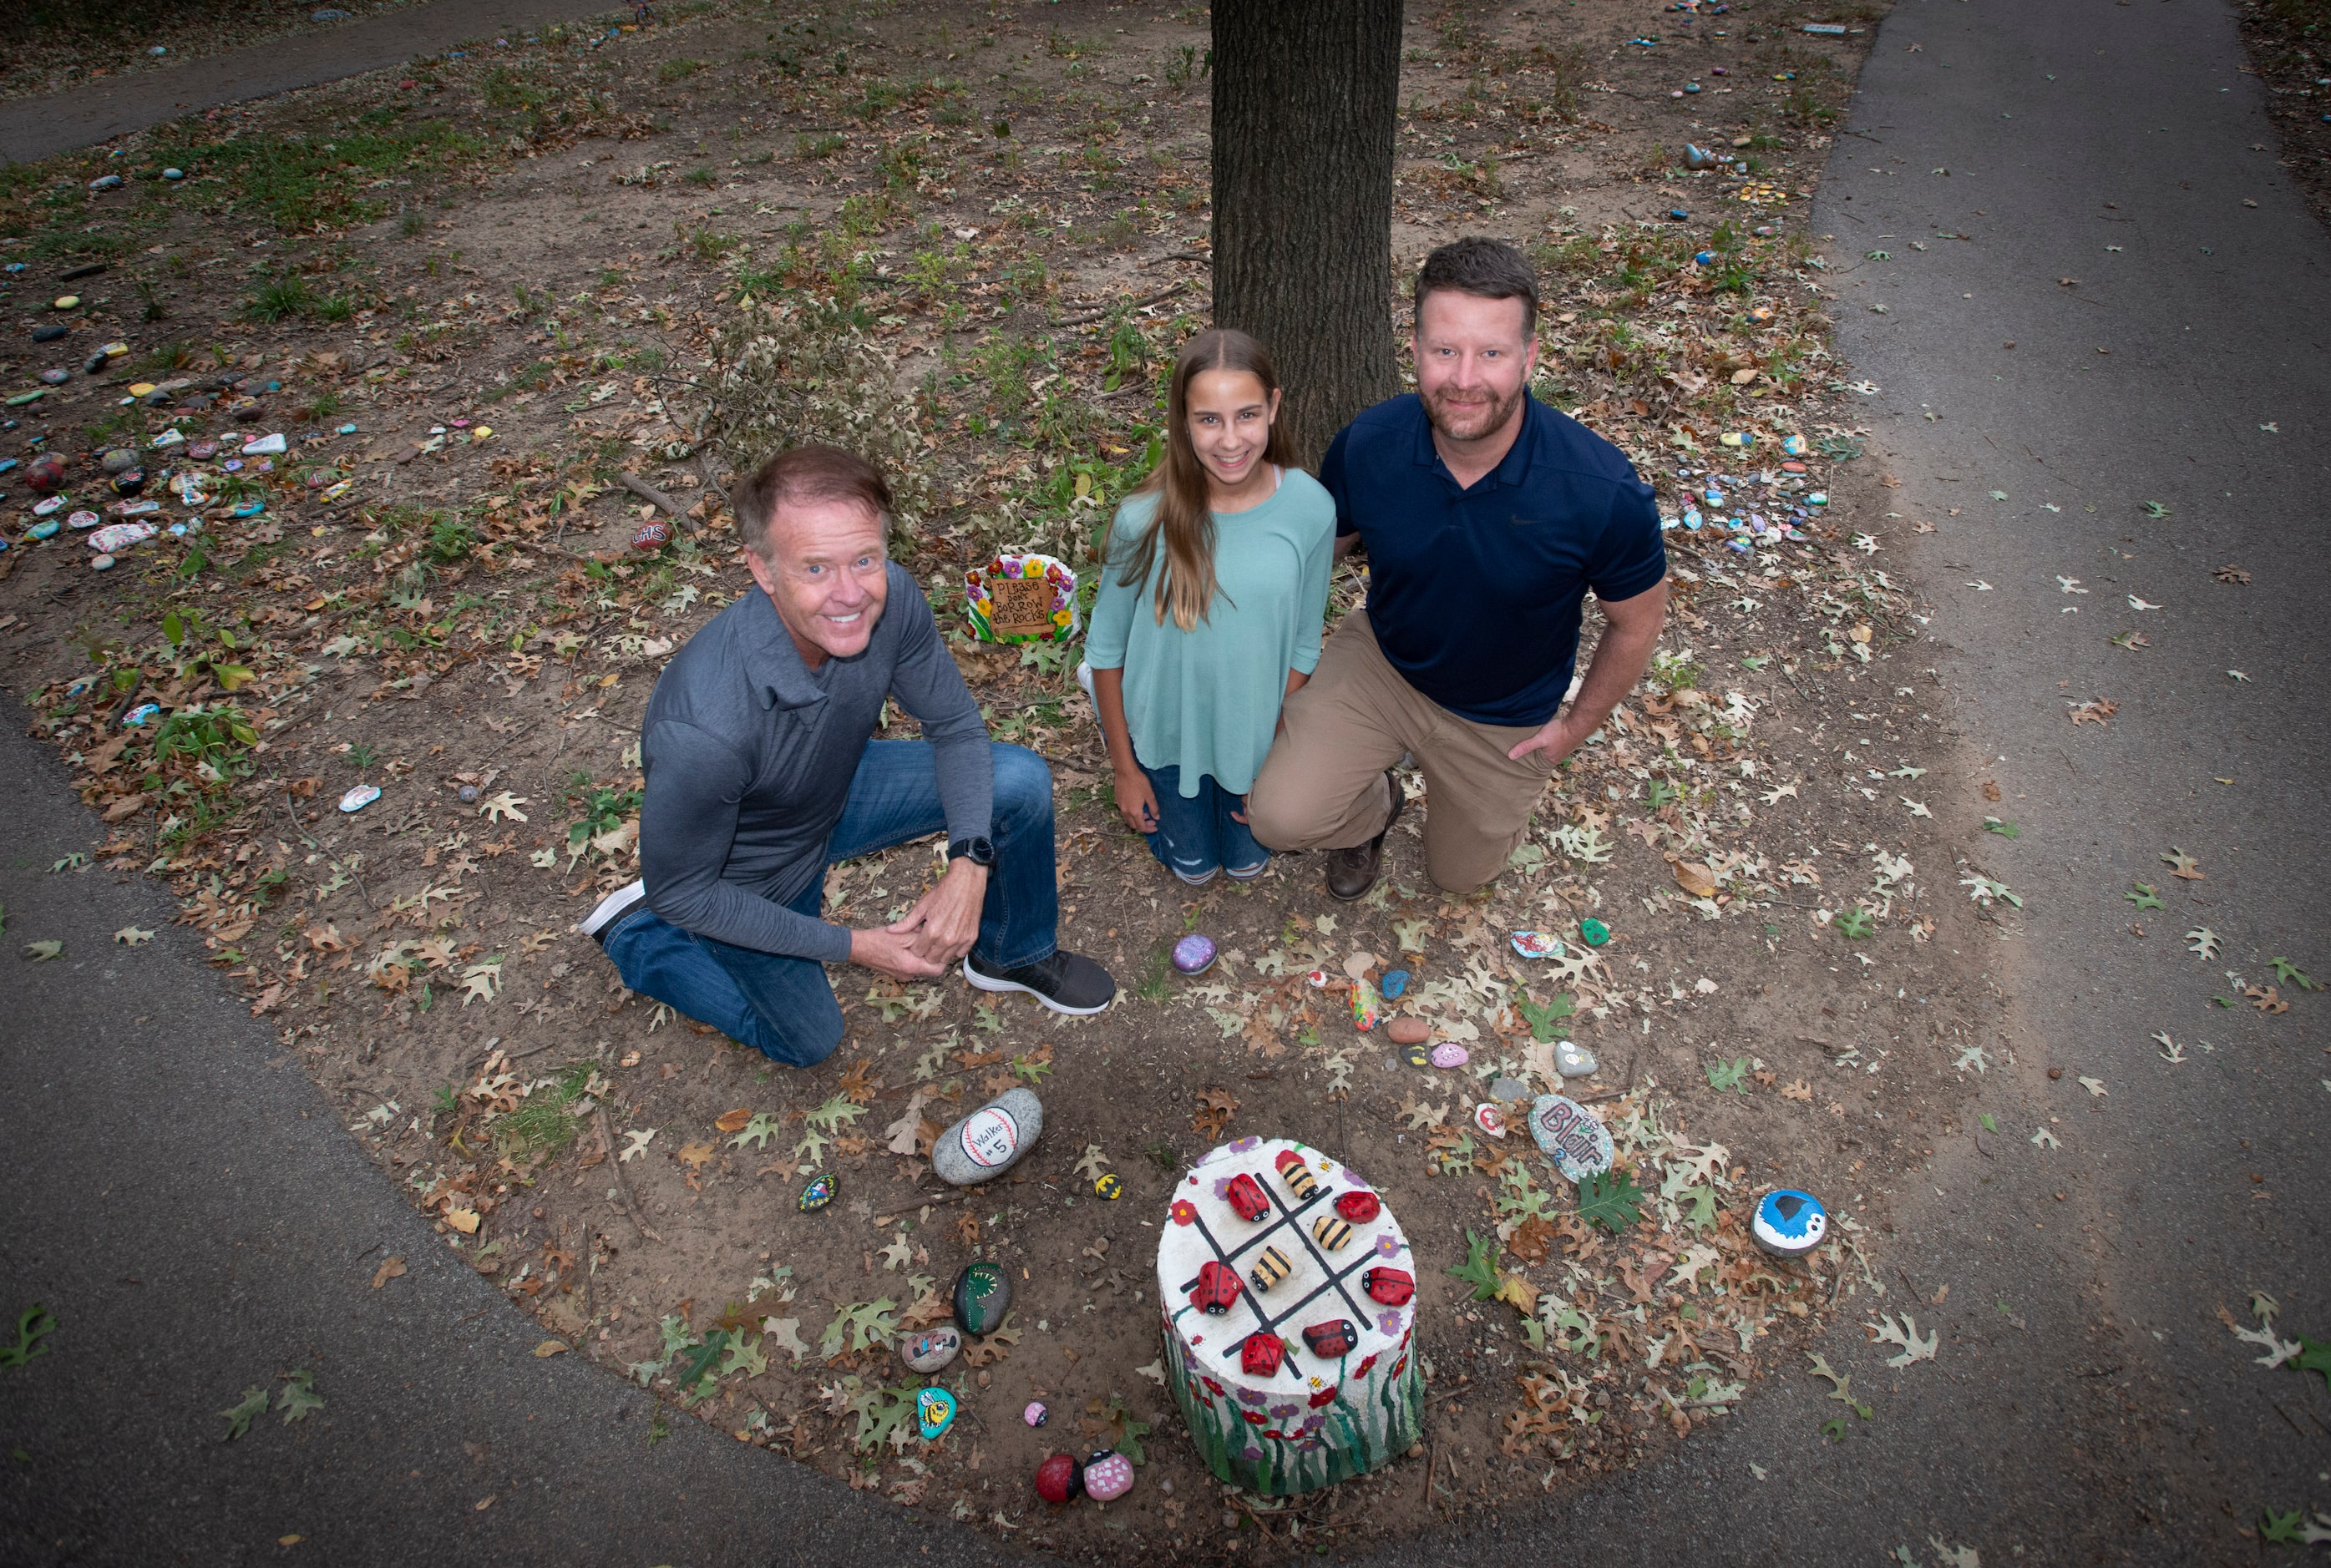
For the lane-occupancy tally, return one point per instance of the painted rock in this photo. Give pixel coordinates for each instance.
(1108, 1476)
(1449, 1054)
(1794, 445)
(173, 176)
(53, 504)
(1360, 1208)
(1789, 1222)
(1035, 1415)
(932, 1349)
(1194, 954)
(82, 520)
(653, 535)
(141, 713)
(1260, 1354)
(101, 563)
(46, 530)
(1319, 980)
(1572, 1060)
(1389, 1287)
(264, 446)
(202, 451)
(56, 376)
(1367, 1006)
(934, 1414)
(1395, 985)
(1332, 1234)
(1108, 1187)
(1536, 944)
(1416, 1053)
(818, 1194)
(116, 538)
(1270, 1266)
(1330, 1340)
(982, 1295)
(1216, 1289)
(357, 799)
(1593, 932)
(50, 333)
(1245, 1196)
(1578, 1143)
(66, 302)
(45, 473)
(1060, 1479)
(1297, 1176)
(991, 1140)
(1409, 1031)
(1490, 1120)
(129, 481)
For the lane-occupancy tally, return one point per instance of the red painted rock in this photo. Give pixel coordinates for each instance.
(1409, 1031)
(653, 535)
(45, 474)
(1060, 1479)
(1360, 1208)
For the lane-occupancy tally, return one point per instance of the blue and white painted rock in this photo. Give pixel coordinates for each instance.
(982, 1295)
(1536, 944)
(818, 1194)
(930, 1350)
(357, 799)
(1394, 986)
(991, 1140)
(934, 1414)
(1789, 1223)
(1578, 1143)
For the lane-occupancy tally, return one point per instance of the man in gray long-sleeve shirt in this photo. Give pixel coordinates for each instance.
(760, 772)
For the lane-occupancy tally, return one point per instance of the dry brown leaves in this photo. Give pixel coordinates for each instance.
(2100, 711)
(1215, 1109)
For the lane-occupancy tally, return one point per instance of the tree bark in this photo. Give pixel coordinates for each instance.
(1306, 105)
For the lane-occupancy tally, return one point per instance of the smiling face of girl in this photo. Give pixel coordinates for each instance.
(1229, 415)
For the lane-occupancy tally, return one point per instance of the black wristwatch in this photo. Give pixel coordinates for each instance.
(978, 852)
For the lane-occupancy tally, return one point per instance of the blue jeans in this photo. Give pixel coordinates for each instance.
(782, 1006)
(1195, 836)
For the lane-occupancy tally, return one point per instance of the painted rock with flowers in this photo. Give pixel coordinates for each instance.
(1341, 1401)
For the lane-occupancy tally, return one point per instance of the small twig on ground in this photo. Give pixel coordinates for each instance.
(932, 1201)
(1084, 317)
(1198, 256)
(663, 503)
(616, 1168)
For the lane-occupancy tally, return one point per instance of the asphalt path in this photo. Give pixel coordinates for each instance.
(182, 1199)
(36, 127)
(2085, 1404)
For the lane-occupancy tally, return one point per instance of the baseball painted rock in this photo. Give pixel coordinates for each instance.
(1578, 1143)
(1060, 1479)
(982, 1295)
(1789, 1223)
(930, 1350)
(1108, 1475)
(991, 1140)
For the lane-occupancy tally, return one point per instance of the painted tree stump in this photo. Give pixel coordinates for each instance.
(1337, 1401)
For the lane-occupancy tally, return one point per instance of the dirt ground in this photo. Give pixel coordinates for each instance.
(966, 238)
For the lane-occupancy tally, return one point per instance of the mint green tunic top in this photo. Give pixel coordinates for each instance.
(1206, 700)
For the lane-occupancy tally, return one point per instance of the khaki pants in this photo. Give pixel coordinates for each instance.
(1322, 786)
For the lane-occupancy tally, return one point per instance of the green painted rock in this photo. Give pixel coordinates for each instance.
(982, 1295)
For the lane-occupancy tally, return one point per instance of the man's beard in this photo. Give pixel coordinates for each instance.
(1474, 426)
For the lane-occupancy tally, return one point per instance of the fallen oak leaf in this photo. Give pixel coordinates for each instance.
(2183, 865)
(733, 1121)
(390, 1269)
(131, 935)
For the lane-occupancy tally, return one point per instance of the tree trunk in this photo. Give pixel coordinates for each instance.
(1307, 98)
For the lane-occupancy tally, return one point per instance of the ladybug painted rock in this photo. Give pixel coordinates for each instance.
(1245, 1196)
(1217, 1288)
(45, 474)
(1060, 1479)
(1260, 1355)
(1297, 1176)
(1392, 1287)
(1268, 1270)
(1330, 1340)
(1108, 1475)
(1360, 1208)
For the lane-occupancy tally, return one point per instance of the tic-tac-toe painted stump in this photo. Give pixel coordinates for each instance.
(1334, 1403)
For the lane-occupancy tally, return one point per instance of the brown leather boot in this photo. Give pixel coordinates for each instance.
(1352, 872)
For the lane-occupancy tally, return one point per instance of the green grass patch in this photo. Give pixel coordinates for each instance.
(305, 182)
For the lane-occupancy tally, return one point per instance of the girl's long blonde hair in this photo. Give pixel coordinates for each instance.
(1183, 531)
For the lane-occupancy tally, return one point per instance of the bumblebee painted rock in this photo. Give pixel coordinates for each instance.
(1268, 1270)
(1297, 1176)
(1331, 1233)
(1260, 1355)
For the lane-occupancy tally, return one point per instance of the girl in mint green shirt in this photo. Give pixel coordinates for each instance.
(1209, 610)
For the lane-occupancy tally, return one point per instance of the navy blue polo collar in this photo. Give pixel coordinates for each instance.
(1513, 469)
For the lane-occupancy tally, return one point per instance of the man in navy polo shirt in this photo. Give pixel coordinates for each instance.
(1487, 516)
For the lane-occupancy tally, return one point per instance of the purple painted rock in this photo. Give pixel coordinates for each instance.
(1194, 954)
(1449, 1054)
